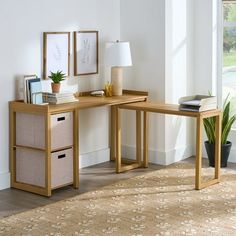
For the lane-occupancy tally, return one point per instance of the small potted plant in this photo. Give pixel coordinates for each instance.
(56, 77)
(209, 125)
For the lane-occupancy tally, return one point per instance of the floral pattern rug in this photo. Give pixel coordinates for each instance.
(161, 202)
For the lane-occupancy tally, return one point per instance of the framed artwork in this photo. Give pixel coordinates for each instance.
(56, 53)
(85, 52)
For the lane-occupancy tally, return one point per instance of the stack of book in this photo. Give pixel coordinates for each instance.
(59, 98)
(198, 103)
(32, 89)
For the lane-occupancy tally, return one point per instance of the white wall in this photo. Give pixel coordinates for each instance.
(179, 131)
(160, 33)
(203, 35)
(22, 25)
(143, 24)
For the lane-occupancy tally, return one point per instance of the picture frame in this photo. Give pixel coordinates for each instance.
(85, 52)
(56, 53)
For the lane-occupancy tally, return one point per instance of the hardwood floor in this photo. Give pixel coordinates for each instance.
(14, 201)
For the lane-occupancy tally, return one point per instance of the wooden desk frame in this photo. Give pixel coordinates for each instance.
(128, 164)
(84, 102)
(146, 107)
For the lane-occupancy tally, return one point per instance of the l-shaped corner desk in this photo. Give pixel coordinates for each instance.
(44, 139)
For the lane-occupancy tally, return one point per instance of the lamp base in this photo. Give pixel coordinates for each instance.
(117, 80)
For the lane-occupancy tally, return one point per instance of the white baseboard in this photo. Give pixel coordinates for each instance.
(178, 154)
(4, 180)
(159, 157)
(94, 158)
(232, 155)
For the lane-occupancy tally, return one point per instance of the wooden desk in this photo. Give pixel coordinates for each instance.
(46, 112)
(170, 109)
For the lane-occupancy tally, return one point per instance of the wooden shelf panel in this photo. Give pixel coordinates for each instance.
(41, 149)
(30, 188)
(61, 149)
(168, 109)
(30, 148)
(83, 103)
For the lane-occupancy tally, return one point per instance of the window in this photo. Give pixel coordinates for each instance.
(229, 48)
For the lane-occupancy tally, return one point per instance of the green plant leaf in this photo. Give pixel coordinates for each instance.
(208, 133)
(212, 120)
(226, 100)
(57, 77)
(227, 129)
(210, 130)
(225, 118)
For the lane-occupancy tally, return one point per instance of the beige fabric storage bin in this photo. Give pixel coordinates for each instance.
(30, 130)
(30, 167)
(62, 130)
(62, 168)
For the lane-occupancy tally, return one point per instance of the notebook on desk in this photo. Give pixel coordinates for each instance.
(198, 103)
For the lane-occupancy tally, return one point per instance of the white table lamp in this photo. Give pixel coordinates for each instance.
(117, 56)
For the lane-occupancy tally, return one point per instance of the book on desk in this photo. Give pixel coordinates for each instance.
(59, 98)
(198, 103)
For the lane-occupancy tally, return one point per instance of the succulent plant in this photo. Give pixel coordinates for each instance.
(57, 77)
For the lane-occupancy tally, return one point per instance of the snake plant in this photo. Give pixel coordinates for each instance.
(227, 122)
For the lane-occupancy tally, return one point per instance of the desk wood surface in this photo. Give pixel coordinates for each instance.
(170, 109)
(83, 103)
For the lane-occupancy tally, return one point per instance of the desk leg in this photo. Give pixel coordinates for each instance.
(76, 149)
(12, 144)
(198, 153)
(218, 147)
(138, 138)
(48, 155)
(113, 134)
(129, 165)
(145, 139)
(198, 182)
(118, 140)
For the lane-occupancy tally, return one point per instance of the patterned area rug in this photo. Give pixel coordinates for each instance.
(162, 202)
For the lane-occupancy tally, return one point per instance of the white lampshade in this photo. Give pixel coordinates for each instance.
(118, 54)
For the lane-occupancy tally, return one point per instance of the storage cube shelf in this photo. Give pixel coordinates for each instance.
(62, 130)
(44, 141)
(30, 130)
(62, 168)
(31, 147)
(30, 167)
